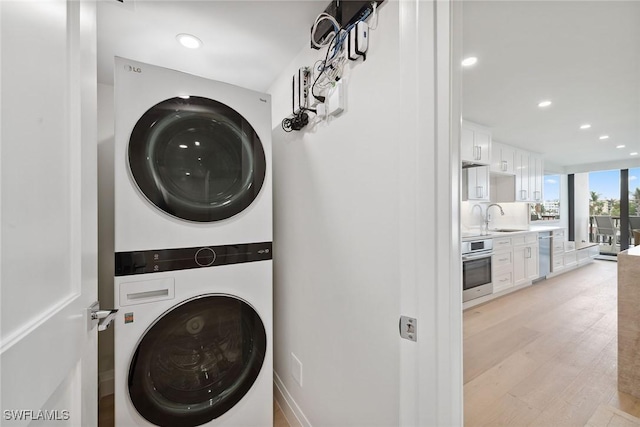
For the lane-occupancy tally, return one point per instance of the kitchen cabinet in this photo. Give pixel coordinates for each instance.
(475, 144)
(522, 176)
(567, 255)
(557, 250)
(536, 178)
(502, 265)
(475, 183)
(527, 182)
(514, 261)
(502, 158)
(525, 258)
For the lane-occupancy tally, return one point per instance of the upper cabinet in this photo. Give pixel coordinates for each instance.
(536, 177)
(522, 193)
(502, 158)
(516, 175)
(475, 144)
(527, 185)
(475, 183)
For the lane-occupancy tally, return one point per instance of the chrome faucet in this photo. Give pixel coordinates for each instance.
(487, 217)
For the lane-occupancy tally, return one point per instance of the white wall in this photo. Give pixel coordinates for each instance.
(335, 213)
(356, 216)
(516, 215)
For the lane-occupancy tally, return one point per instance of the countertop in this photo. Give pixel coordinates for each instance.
(475, 234)
(634, 251)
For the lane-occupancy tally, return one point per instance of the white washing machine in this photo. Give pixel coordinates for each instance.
(193, 269)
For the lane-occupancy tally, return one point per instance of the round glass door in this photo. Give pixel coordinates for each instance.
(196, 159)
(197, 361)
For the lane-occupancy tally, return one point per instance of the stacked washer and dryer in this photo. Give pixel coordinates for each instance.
(193, 233)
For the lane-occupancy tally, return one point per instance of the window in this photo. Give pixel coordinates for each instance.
(549, 209)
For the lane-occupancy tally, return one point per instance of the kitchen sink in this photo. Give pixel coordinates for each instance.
(506, 230)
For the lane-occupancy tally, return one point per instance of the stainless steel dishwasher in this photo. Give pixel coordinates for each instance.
(544, 254)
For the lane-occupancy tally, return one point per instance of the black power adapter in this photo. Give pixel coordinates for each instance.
(296, 122)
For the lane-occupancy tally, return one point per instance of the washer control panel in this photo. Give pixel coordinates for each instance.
(154, 261)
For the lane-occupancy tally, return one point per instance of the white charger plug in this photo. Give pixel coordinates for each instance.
(358, 40)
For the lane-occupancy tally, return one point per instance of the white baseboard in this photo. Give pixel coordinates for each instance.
(290, 408)
(105, 383)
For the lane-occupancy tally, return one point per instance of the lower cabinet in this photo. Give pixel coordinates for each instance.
(525, 263)
(515, 261)
(502, 270)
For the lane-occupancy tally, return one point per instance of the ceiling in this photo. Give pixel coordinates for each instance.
(584, 56)
(246, 43)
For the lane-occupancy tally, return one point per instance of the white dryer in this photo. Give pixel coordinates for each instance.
(193, 269)
(192, 160)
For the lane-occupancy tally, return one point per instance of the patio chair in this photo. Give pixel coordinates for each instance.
(605, 228)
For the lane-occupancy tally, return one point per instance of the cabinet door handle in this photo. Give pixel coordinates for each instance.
(503, 259)
(536, 195)
(479, 192)
(528, 252)
(504, 166)
(479, 152)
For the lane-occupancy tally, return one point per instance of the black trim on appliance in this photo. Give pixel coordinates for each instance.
(571, 191)
(196, 159)
(154, 261)
(197, 361)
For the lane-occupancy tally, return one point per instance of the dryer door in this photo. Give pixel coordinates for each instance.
(196, 159)
(197, 361)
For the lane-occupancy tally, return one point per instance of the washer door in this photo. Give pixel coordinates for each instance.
(197, 361)
(196, 159)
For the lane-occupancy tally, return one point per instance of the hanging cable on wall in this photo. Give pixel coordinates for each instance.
(320, 90)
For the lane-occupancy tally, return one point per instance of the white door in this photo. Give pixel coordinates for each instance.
(48, 252)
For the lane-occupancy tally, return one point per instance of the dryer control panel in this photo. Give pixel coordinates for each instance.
(154, 261)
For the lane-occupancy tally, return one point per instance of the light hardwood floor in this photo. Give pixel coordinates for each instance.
(545, 355)
(105, 417)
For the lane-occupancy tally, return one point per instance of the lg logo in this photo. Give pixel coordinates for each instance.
(133, 69)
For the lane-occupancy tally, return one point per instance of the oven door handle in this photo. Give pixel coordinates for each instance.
(472, 257)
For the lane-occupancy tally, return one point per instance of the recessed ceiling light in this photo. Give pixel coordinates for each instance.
(189, 41)
(604, 137)
(182, 146)
(635, 153)
(585, 126)
(544, 104)
(467, 62)
(620, 146)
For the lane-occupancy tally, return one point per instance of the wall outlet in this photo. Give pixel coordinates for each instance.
(296, 369)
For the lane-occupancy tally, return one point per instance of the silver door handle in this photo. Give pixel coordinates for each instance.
(102, 318)
(504, 166)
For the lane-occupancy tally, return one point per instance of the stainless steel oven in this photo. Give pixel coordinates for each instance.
(476, 269)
